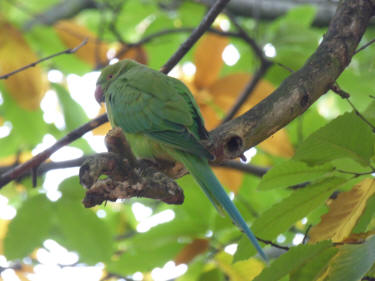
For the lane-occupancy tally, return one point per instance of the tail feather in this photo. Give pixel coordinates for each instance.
(203, 174)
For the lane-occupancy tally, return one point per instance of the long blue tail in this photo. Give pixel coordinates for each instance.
(203, 174)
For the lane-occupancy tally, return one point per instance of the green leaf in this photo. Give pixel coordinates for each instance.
(29, 228)
(133, 13)
(194, 270)
(369, 113)
(338, 139)
(45, 40)
(81, 229)
(74, 114)
(292, 260)
(153, 248)
(314, 267)
(28, 127)
(302, 15)
(281, 216)
(212, 275)
(190, 13)
(292, 172)
(366, 217)
(353, 261)
(197, 207)
(71, 189)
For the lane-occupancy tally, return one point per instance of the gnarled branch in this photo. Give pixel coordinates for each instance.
(128, 177)
(302, 88)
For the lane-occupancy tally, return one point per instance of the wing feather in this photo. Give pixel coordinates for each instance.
(164, 116)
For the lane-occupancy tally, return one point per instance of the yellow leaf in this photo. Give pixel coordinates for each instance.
(21, 275)
(136, 53)
(10, 160)
(278, 144)
(208, 59)
(225, 91)
(102, 130)
(72, 34)
(344, 213)
(231, 179)
(190, 251)
(3, 230)
(245, 270)
(28, 86)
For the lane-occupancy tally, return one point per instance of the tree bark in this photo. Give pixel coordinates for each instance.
(301, 89)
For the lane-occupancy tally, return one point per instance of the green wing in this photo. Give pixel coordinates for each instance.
(143, 101)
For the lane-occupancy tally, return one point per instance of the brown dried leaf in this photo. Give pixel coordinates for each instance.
(190, 251)
(72, 34)
(28, 86)
(344, 213)
(208, 59)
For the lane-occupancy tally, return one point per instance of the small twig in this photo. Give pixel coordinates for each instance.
(360, 115)
(246, 92)
(34, 176)
(364, 46)
(284, 66)
(247, 168)
(336, 88)
(127, 46)
(67, 51)
(273, 244)
(45, 167)
(34, 162)
(355, 174)
(306, 233)
(343, 94)
(196, 34)
(265, 65)
(253, 44)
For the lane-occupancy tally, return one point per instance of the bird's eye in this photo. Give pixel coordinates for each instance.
(109, 76)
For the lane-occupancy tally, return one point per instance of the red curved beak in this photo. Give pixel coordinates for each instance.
(99, 96)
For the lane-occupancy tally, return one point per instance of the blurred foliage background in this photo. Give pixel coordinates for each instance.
(321, 163)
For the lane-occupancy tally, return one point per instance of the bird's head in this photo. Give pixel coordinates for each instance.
(109, 74)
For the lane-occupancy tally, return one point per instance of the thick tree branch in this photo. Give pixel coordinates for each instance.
(128, 176)
(272, 9)
(291, 99)
(302, 88)
(33, 163)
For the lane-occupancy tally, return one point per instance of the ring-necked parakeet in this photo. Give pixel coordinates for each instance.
(161, 120)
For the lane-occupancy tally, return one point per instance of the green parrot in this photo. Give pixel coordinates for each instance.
(161, 120)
